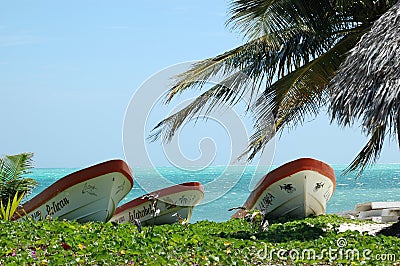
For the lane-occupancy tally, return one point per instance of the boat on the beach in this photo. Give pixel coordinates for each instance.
(90, 194)
(296, 189)
(164, 206)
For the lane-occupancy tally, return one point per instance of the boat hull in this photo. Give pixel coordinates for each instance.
(91, 194)
(297, 189)
(174, 203)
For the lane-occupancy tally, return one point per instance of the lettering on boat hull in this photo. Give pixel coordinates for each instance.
(55, 207)
(140, 213)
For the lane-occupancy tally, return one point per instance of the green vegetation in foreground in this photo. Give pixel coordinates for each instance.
(235, 242)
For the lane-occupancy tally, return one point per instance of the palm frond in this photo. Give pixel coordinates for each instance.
(257, 18)
(370, 152)
(14, 166)
(242, 70)
(228, 92)
(221, 67)
(362, 11)
(295, 96)
(274, 55)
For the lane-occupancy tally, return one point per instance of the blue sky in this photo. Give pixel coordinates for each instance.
(68, 70)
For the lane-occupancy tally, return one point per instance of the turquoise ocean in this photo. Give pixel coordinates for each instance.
(380, 182)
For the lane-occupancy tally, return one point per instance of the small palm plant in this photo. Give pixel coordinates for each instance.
(12, 180)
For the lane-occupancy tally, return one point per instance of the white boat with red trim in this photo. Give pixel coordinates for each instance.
(172, 203)
(296, 189)
(91, 194)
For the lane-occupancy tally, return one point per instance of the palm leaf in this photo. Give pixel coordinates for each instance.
(255, 61)
(12, 171)
(15, 203)
(14, 166)
(8, 211)
(2, 210)
(229, 91)
(363, 11)
(276, 53)
(248, 58)
(257, 18)
(297, 95)
(369, 153)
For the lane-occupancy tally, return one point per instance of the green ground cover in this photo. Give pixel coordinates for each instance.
(236, 242)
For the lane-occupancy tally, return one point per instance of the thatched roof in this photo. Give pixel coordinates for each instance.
(367, 86)
(371, 72)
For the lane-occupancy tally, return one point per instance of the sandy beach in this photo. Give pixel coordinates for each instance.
(371, 229)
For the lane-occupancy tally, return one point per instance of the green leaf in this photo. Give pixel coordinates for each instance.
(13, 169)
(8, 211)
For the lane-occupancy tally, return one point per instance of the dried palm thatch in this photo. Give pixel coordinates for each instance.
(367, 87)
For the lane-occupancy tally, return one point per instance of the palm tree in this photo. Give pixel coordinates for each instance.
(293, 50)
(12, 180)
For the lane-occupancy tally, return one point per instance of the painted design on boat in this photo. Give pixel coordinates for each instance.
(89, 189)
(318, 186)
(193, 199)
(288, 188)
(180, 199)
(85, 195)
(120, 188)
(183, 200)
(297, 189)
(266, 201)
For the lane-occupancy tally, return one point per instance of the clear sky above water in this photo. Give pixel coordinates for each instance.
(68, 70)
